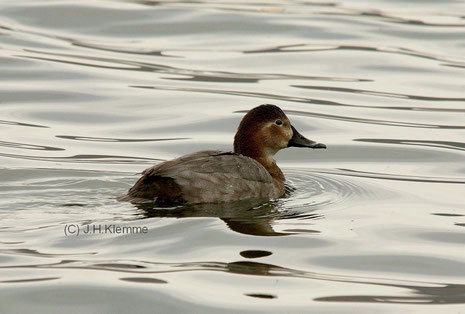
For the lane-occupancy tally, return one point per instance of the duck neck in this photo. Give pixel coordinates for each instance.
(249, 146)
(266, 160)
(270, 165)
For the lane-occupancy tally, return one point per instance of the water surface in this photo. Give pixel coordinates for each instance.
(92, 93)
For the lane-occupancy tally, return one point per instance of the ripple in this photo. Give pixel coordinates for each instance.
(385, 263)
(29, 146)
(396, 177)
(29, 252)
(29, 280)
(313, 190)
(384, 81)
(190, 74)
(379, 93)
(374, 121)
(309, 195)
(120, 140)
(313, 48)
(22, 124)
(330, 9)
(392, 18)
(444, 237)
(425, 143)
(123, 49)
(314, 101)
(106, 159)
(418, 291)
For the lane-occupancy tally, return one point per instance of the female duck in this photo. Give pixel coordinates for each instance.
(212, 176)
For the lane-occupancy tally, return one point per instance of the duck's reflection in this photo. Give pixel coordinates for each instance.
(252, 217)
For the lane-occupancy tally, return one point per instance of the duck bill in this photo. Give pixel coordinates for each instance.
(298, 140)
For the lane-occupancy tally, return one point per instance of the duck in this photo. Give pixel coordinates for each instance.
(249, 172)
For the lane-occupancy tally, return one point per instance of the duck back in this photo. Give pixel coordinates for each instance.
(209, 176)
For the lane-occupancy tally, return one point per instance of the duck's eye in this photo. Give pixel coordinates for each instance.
(278, 122)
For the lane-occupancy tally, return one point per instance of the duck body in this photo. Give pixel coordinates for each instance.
(212, 176)
(208, 176)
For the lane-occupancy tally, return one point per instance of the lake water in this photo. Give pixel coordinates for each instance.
(93, 92)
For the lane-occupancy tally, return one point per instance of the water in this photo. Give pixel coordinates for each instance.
(94, 92)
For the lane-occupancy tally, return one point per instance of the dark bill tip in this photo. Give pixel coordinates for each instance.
(319, 145)
(298, 140)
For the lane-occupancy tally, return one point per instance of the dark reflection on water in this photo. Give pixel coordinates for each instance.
(143, 280)
(73, 205)
(261, 295)
(243, 219)
(448, 214)
(255, 253)
(252, 217)
(257, 227)
(302, 230)
(119, 266)
(456, 66)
